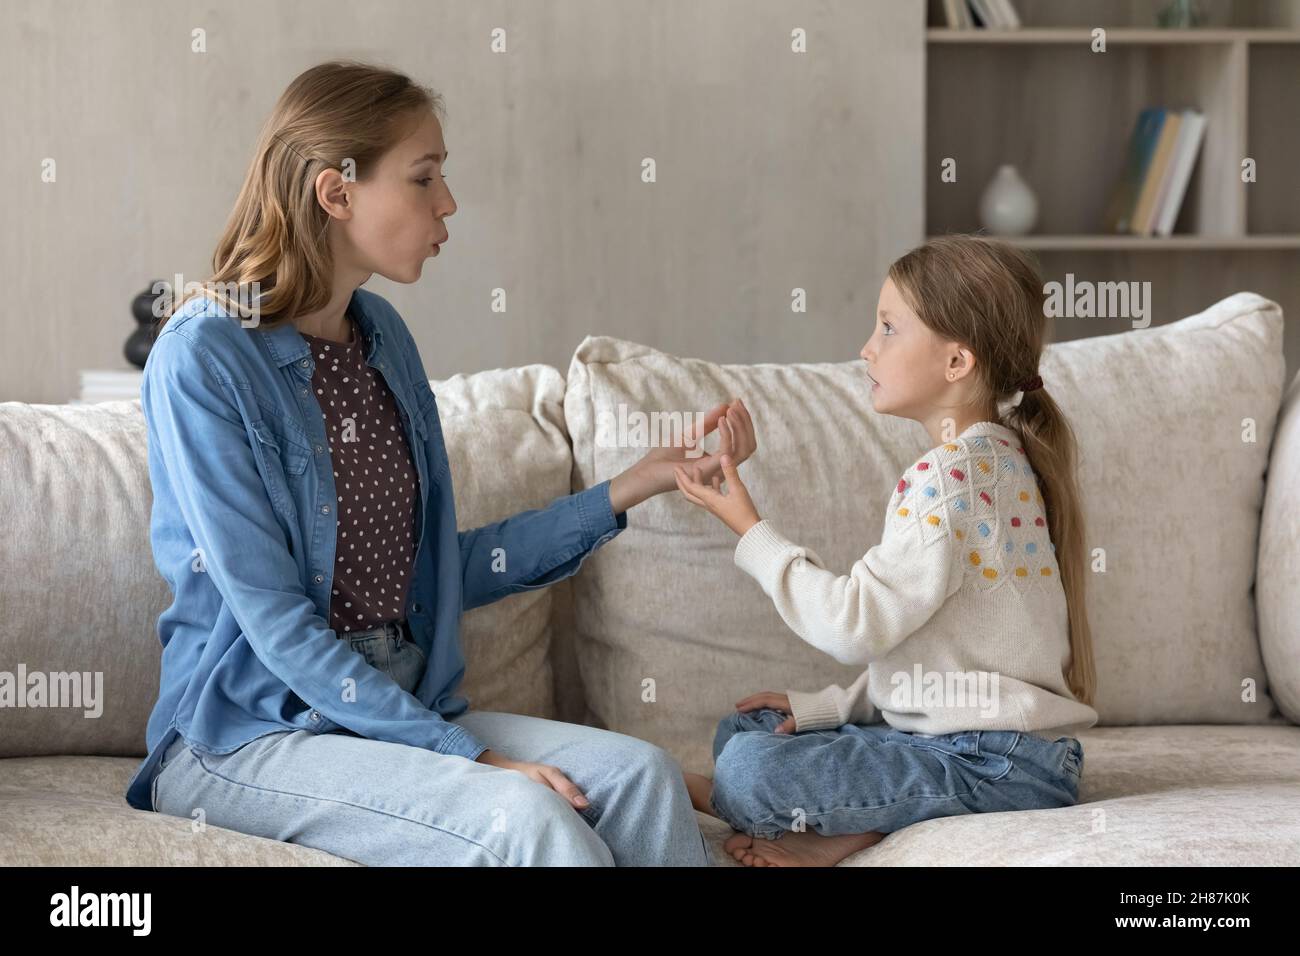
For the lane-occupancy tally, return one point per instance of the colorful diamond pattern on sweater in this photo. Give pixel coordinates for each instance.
(955, 491)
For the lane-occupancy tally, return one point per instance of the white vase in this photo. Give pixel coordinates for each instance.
(1008, 206)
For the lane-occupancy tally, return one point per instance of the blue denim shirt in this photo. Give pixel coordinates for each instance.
(243, 530)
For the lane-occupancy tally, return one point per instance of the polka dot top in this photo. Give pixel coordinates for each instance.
(376, 481)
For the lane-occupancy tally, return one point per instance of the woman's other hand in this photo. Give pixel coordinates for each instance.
(544, 774)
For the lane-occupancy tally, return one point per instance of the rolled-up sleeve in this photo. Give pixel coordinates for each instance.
(536, 548)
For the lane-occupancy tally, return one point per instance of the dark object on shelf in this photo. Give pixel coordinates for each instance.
(139, 342)
(1181, 15)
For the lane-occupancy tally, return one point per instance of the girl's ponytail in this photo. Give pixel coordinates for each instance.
(1050, 444)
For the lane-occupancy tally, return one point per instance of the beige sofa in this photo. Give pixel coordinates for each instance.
(1190, 473)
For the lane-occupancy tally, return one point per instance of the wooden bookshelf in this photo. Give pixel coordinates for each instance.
(1195, 35)
(1155, 243)
(1040, 99)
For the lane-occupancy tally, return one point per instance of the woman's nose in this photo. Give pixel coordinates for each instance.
(446, 203)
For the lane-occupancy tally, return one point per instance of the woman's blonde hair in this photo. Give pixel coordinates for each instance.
(337, 115)
(988, 295)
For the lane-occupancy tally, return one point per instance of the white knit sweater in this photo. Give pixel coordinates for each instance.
(958, 612)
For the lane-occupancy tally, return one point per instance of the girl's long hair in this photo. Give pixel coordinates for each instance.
(337, 115)
(988, 295)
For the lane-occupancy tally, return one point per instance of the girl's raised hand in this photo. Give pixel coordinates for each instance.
(736, 433)
(735, 509)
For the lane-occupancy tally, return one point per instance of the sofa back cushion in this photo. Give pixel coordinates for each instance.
(670, 634)
(1277, 588)
(80, 592)
(508, 451)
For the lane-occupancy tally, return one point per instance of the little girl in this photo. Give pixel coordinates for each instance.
(969, 613)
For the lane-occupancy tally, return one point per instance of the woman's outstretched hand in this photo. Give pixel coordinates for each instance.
(736, 439)
(655, 473)
(735, 508)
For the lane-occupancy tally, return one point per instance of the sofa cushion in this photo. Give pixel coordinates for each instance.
(81, 591)
(69, 811)
(1277, 596)
(1178, 795)
(1191, 795)
(508, 451)
(670, 634)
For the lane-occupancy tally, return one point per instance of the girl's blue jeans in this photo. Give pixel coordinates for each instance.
(864, 778)
(383, 803)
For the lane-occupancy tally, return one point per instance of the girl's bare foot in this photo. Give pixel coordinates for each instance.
(808, 848)
(701, 790)
(738, 845)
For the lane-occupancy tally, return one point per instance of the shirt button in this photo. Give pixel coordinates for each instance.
(318, 449)
(315, 716)
(319, 578)
(324, 509)
(416, 607)
(304, 363)
(304, 391)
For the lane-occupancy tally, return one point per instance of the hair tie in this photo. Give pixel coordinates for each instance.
(1028, 385)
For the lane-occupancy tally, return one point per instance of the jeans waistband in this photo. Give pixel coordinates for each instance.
(398, 629)
(1047, 738)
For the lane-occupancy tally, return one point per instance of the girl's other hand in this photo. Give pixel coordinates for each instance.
(772, 701)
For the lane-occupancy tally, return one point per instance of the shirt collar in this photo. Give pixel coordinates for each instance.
(286, 344)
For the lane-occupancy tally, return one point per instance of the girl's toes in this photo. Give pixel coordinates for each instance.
(737, 841)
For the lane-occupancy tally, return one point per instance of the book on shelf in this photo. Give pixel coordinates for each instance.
(981, 14)
(1162, 151)
(1191, 132)
(1143, 217)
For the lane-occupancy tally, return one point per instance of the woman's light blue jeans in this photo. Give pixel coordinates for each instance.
(863, 778)
(381, 803)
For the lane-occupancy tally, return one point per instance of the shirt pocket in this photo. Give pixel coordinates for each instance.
(429, 427)
(282, 460)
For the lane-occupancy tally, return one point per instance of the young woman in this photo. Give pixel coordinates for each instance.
(304, 518)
